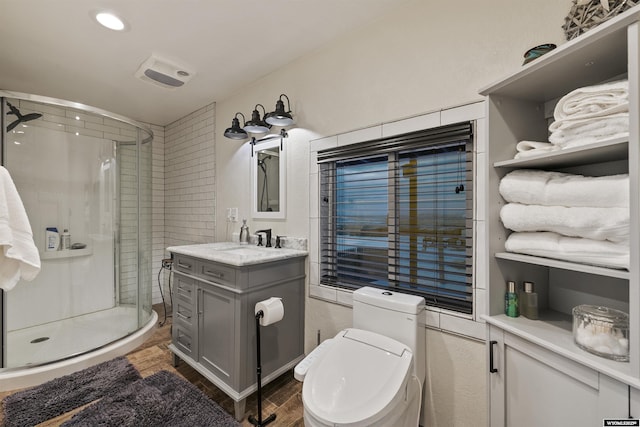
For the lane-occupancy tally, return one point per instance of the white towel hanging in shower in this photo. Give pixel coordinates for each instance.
(19, 258)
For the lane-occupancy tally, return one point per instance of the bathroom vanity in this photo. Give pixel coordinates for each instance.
(215, 289)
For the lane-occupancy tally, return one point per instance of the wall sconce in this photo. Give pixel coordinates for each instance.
(256, 124)
(280, 117)
(283, 134)
(235, 131)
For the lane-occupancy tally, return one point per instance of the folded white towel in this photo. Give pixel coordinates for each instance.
(593, 223)
(566, 133)
(533, 148)
(574, 249)
(536, 187)
(19, 257)
(594, 101)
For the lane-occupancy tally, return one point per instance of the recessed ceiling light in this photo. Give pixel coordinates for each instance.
(109, 20)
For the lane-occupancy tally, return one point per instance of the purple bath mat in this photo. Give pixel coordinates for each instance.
(35, 405)
(161, 399)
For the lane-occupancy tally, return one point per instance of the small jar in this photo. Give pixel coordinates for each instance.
(602, 331)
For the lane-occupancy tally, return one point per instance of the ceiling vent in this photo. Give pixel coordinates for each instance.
(164, 73)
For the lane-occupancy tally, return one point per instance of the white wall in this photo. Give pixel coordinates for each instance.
(422, 57)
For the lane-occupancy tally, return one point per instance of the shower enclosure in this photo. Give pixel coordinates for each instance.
(87, 172)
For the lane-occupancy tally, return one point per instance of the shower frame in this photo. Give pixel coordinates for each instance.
(140, 127)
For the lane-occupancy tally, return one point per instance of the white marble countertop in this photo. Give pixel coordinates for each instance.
(236, 254)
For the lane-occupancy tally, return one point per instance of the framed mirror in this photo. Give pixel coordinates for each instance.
(268, 180)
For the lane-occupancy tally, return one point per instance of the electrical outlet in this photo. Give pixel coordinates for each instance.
(232, 214)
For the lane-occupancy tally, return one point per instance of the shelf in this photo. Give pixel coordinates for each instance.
(587, 60)
(520, 107)
(598, 152)
(71, 253)
(554, 332)
(564, 265)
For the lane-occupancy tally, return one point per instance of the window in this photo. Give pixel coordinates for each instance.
(397, 213)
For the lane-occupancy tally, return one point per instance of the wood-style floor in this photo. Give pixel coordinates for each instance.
(281, 397)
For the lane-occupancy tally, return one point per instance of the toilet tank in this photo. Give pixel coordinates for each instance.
(393, 314)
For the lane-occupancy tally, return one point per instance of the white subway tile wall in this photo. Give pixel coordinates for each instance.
(126, 159)
(189, 180)
(157, 220)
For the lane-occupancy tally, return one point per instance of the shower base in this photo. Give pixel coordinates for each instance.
(72, 339)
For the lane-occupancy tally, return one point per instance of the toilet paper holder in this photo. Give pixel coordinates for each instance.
(267, 312)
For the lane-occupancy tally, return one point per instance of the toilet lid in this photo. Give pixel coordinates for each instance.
(360, 378)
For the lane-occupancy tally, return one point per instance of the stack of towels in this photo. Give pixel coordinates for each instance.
(584, 116)
(569, 217)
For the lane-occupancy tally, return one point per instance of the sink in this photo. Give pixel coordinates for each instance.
(225, 246)
(237, 248)
(243, 250)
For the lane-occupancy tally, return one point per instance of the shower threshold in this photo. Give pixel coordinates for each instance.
(68, 337)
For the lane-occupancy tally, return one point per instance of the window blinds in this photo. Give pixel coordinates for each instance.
(397, 213)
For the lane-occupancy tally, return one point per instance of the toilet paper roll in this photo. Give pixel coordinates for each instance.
(272, 309)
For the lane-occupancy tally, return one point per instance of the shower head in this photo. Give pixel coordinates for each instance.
(20, 118)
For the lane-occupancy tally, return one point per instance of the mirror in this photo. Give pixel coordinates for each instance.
(268, 180)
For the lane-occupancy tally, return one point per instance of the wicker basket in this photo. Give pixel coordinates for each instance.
(586, 14)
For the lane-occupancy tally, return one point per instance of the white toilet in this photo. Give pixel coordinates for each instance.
(371, 374)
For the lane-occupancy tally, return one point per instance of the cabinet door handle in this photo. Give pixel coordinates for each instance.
(183, 316)
(215, 274)
(184, 265)
(492, 369)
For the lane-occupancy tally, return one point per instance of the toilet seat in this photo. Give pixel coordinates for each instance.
(359, 380)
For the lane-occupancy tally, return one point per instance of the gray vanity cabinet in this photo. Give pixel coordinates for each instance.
(216, 332)
(214, 328)
(184, 315)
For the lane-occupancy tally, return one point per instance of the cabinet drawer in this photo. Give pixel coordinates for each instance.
(185, 264)
(217, 273)
(184, 289)
(183, 340)
(184, 313)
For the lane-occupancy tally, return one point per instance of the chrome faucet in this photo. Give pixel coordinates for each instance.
(268, 233)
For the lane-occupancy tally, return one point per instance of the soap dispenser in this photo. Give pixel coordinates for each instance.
(244, 233)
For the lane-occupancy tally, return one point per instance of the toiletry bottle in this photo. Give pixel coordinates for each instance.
(529, 302)
(65, 240)
(244, 233)
(52, 239)
(511, 300)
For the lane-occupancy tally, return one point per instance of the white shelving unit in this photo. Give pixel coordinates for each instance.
(518, 107)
